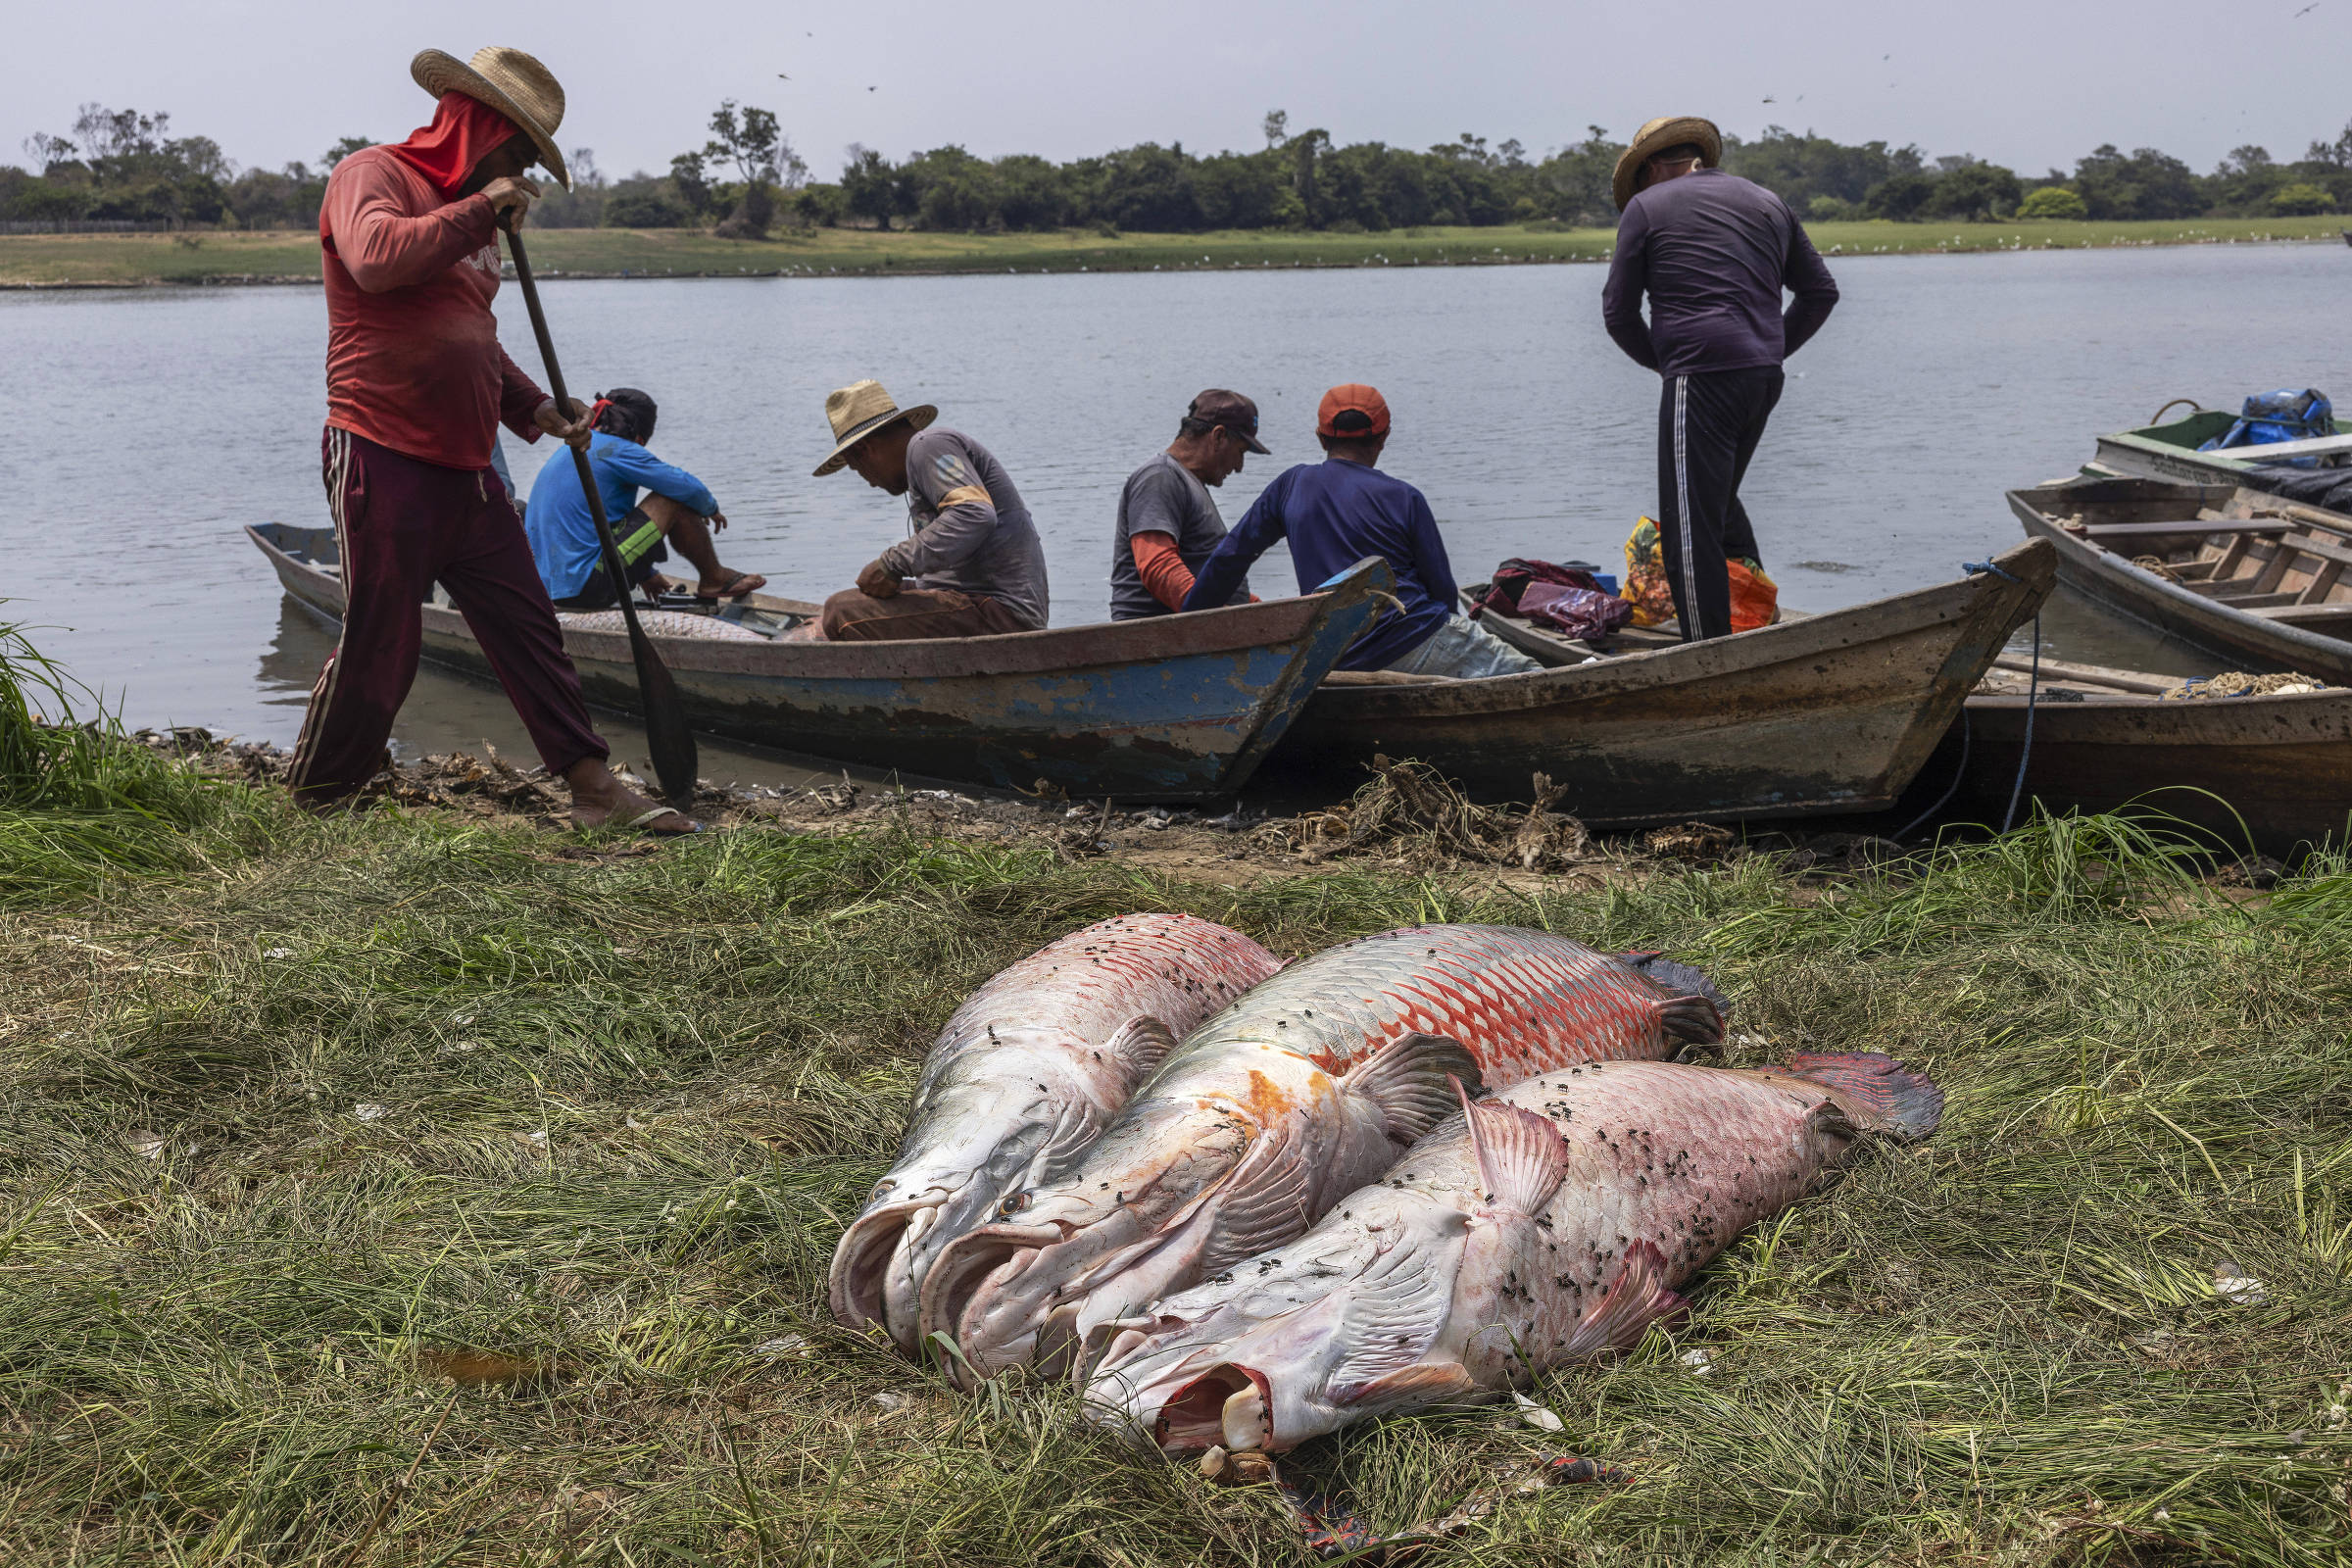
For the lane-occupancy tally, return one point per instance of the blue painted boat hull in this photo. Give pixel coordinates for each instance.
(1178, 708)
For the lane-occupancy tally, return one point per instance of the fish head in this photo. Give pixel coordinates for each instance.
(1356, 1317)
(996, 1289)
(951, 1178)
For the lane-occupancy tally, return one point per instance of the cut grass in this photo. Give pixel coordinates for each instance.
(286, 1144)
(126, 259)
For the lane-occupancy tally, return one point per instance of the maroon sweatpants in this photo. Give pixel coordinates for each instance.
(401, 525)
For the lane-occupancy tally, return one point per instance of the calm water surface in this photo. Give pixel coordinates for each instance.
(150, 424)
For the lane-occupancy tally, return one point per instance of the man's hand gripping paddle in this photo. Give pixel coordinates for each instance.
(665, 733)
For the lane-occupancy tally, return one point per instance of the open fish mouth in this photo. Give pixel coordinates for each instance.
(977, 1282)
(1228, 1405)
(880, 1242)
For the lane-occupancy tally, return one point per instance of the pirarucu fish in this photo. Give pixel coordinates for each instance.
(1268, 1113)
(1551, 1223)
(1032, 1065)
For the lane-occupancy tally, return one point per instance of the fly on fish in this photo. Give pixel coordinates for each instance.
(1296, 1095)
(1537, 1228)
(1029, 1069)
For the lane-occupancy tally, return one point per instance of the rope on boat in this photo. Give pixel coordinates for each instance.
(2025, 753)
(2032, 694)
(1958, 773)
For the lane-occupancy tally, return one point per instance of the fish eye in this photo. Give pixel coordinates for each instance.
(1014, 1203)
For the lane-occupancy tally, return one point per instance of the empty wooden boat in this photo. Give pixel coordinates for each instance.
(2253, 579)
(2267, 772)
(1169, 708)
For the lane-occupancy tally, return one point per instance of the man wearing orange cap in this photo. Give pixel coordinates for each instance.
(417, 386)
(1344, 509)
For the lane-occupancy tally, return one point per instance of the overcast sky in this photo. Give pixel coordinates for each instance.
(2030, 83)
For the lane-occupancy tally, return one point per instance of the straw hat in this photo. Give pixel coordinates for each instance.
(509, 82)
(1658, 135)
(857, 412)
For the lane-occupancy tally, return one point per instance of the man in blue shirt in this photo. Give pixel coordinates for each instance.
(681, 508)
(1336, 512)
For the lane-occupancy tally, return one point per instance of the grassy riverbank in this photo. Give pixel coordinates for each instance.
(135, 259)
(466, 1189)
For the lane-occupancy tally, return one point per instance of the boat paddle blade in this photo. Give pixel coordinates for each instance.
(666, 737)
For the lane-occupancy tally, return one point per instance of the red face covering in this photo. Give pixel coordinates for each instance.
(465, 131)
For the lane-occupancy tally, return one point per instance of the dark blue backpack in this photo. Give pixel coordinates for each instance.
(2279, 416)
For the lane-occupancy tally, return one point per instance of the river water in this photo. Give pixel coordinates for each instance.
(148, 425)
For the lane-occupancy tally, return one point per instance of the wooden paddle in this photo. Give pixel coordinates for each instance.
(665, 733)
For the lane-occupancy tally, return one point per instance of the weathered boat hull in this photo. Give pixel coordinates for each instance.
(1831, 713)
(2112, 579)
(2169, 451)
(1178, 708)
(2276, 770)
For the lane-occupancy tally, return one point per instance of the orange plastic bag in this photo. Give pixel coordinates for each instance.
(1755, 597)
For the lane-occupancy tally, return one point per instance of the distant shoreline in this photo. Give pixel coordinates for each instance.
(45, 263)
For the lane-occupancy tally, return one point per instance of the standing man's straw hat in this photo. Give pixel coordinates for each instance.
(509, 82)
(858, 410)
(1654, 138)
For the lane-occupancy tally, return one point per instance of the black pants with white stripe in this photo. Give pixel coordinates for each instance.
(1708, 427)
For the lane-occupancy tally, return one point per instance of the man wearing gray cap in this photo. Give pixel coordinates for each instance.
(1169, 523)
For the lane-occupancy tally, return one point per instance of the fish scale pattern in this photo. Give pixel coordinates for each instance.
(1174, 967)
(1522, 1002)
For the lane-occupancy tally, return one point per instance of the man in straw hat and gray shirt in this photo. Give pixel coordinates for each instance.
(972, 553)
(416, 385)
(1713, 253)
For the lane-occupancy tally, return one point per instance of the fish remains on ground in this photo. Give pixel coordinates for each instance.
(1031, 1067)
(1546, 1225)
(1269, 1113)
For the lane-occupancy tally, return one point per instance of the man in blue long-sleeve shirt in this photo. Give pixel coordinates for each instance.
(1713, 253)
(677, 508)
(1336, 512)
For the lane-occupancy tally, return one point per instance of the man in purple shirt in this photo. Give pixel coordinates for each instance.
(1713, 253)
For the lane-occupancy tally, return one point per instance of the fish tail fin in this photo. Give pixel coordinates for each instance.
(1878, 1092)
(1635, 1298)
(1521, 1156)
(1686, 978)
(1688, 1019)
(1409, 1079)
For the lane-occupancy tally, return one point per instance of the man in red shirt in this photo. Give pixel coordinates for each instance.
(415, 386)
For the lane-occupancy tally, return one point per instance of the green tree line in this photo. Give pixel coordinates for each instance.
(746, 180)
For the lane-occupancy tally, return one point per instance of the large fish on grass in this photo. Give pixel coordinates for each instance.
(1298, 1093)
(1542, 1227)
(1031, 1067)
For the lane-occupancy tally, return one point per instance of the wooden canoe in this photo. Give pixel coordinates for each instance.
(1174, 708)
(1831, 713)
(2280, 764)
(2254, 580)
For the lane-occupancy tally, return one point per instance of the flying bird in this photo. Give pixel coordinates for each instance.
(869, 89)
(780, 76)
(2309, 9)
(1769, 99)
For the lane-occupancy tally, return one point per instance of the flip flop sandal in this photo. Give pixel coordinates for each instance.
(732, 590)
(656, 815)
